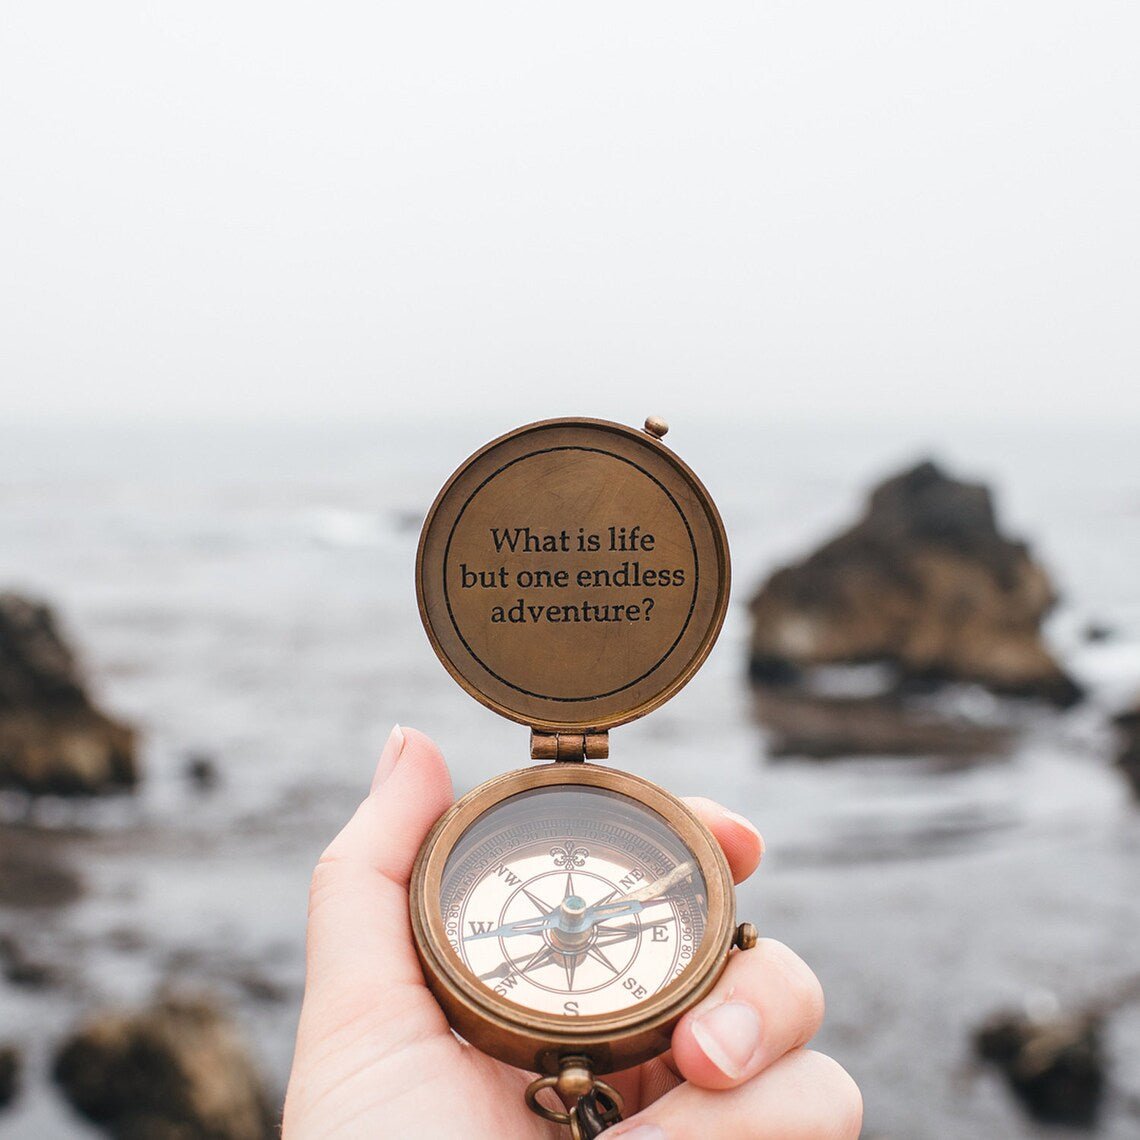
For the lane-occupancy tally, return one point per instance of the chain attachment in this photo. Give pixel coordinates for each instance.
(597, 1105)
(595, 1112)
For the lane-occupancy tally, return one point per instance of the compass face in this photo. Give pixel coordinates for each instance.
(573, 900)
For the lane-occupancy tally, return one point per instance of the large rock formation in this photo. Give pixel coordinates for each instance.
(924, 582)
(52, 737)
(174, 1071)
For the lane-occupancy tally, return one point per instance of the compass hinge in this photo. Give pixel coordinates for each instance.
(572, 747)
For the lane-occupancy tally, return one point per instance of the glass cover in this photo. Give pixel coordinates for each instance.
(573, 900)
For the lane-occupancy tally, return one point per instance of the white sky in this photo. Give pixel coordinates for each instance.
(771, 208)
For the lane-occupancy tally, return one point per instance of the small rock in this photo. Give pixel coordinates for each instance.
(177, 1070)
(31, 874)
(1055, 1067)
(20, 970)
(925, 583)
(1128, 753)
(1096, 632)
(9, 1074)
(201, 771)
(259, 987)
(53, 739)
(407, 520)
(126, 940)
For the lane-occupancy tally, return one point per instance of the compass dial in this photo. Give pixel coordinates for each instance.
(573, 900)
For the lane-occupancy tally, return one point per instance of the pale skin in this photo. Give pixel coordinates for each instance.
(375, 1056)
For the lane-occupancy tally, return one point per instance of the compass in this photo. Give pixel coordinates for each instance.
(572, 576)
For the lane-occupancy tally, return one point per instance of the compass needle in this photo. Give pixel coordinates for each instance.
(509, 929)
(661, 886)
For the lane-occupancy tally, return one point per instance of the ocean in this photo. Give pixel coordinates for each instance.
(244, 592)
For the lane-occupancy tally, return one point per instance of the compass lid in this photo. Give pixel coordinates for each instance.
(573, 574)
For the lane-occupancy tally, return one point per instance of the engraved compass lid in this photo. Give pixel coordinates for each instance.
(573, 574)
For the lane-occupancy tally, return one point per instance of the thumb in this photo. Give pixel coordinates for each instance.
(359, 946)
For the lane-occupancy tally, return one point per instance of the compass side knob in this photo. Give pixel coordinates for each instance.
(746, 936)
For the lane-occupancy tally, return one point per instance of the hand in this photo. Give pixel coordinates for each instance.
(375, 1056)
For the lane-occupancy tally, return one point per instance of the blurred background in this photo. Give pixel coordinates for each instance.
(270, 272)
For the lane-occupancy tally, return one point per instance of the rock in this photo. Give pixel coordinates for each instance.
(53, 740)
(176, 1070)
(201, 771)
(1096, 632)
(407, 520)
(21, 970)
(1128, 755)
(259, 987)
(925, 583)
(31, 873)
(126, 940)
(1055, 1067)
(9, 1074)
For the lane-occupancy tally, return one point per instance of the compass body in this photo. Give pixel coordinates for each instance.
(572, 575)
(571, 909)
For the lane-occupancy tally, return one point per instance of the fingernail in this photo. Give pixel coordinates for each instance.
(747, 824)
(729, 1036)
(640, 1132)
(393, 746)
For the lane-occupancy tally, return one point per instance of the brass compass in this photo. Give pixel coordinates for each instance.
(572, 575)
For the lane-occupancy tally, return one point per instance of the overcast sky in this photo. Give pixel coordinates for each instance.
(349, 209)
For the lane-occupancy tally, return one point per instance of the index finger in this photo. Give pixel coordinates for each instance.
(742, 844)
